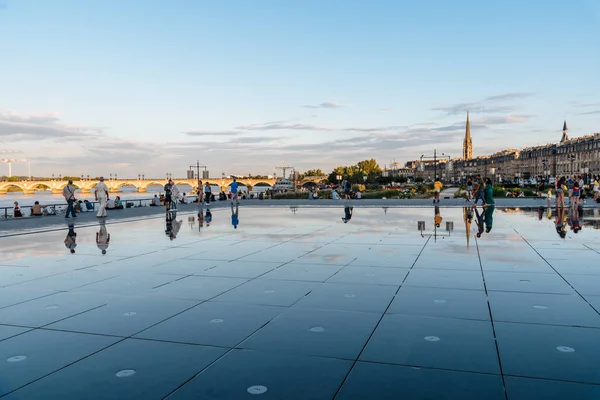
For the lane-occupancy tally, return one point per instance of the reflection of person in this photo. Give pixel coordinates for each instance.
(208, 217)
(559, 223)
(101, 195)
(575, 218)
(488, 213)
(234, 216)
(169, 225)
(479, 222)
(347, 214)
(102, 238)
(71, 239)
(437, 188)
(200, 219)
(437, 219)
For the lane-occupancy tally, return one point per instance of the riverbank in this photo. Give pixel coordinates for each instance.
(26, 224)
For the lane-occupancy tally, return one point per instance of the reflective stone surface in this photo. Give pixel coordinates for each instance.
(297, 304)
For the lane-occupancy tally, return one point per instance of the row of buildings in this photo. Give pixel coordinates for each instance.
(578, 156)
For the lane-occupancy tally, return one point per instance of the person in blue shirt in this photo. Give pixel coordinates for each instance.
(207, 193)
(235, 221)
(234, 191)
(347, 189)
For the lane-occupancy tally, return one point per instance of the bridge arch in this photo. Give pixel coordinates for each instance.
(9, 185)
(261, 183)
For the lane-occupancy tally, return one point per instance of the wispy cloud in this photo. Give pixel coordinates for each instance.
(275, 126)
(590, 112)
(255, 139)
(327, 104)
(19, 127)
(509, 96)
(386, 108)
(486, 105)
(213, 133)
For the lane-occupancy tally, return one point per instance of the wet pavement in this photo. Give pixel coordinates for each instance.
(305, 303)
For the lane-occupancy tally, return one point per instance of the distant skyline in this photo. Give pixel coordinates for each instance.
(149, 87)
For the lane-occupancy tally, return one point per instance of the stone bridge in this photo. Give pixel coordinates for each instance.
(29, 187)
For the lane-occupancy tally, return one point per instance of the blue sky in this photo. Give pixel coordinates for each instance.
(150, 86)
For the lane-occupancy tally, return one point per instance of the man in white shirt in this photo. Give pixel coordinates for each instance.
(101, 195)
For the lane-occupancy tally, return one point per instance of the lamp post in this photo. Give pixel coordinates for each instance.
(139, 176)
(339, 178)
(572, 158)
(545, 165)
(110, 177)
(365, 177)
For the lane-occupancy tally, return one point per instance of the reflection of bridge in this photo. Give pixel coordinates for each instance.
(29, 187)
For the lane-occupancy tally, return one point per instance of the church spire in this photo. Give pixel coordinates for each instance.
(565, 135)
(467, 144)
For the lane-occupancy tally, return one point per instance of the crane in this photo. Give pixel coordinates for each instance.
(284, 168)
(9, 161)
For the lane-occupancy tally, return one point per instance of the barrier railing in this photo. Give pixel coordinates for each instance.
(60, 208)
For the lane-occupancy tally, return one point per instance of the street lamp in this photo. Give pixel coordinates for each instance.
(139, 176)
(111, 177)
(545, 165)
(339, 178)
(365, 177)
(115, 176)
(572, 158)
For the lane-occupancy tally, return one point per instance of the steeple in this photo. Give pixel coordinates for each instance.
(467, 144)
(565, 135)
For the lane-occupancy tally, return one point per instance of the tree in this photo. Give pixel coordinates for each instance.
(332, 177)
(369, 167)
(314, 172)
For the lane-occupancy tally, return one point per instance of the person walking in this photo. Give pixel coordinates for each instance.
(101, 195)
(575, 194)
(347, 189)
(174, 194)
(69, 195)
(234, 191)
(560, 191)
(207, 193)
(168, 195)
(479, 190)
(489, 192)
(596, 189)
(469, 195)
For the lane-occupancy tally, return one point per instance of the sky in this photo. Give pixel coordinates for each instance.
(150, 87)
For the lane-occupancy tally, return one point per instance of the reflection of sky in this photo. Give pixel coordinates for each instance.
(370, 227)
